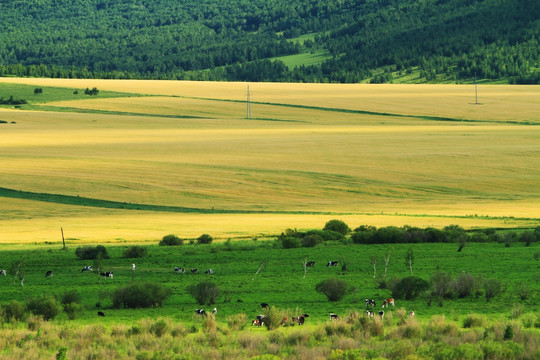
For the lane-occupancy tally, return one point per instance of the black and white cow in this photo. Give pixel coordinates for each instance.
(310, 264)
(370, 313)
(200, 312)
(194, 271)
(370, 302)
(265, 305)
(209, 272)
(132, 267)
(179, 270)
(87, 268)
(334, 316)
(49, 273)
(381, 314)
(411, 314)
(101, 313)
(3, 272)
(107, 274)
(332, 263)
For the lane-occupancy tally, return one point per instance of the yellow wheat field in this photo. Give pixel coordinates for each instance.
(364, 169)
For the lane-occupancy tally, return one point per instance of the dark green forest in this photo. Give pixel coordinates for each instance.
(364, 40)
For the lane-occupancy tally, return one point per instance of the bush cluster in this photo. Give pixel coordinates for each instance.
(205, 292)
(134, 252)
(293, 238)
(171, 240)
(408, 288)
(140, 295)
(91, 252)
(334, 288)
(205, 239)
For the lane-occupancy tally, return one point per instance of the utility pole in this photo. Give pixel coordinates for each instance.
(475, 89)
(248, 110)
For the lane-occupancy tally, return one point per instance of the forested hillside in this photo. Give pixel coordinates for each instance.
(357, 40)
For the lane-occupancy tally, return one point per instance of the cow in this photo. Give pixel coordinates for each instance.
(3, 272)
(49, 273)
(332, 263)
(87, 268)
(300, 319)
(132, 267)
(387, 302)
(107, 274)
(370, 302)
(101, 313)
(310, 264)
(179, 270)
(200, 312)
(259, 321)
(411, 313)
(256, 322)
(194, 271)
(334, 316)
(209, 272)
(381, 314)
(214, 312)
(265, 306)
(284, 321)
(370, 313)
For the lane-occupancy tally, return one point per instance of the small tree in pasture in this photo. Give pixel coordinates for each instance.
(409, 260)
(492, 288)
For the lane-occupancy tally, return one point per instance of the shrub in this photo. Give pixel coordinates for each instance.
(337, 226)
(171, 240)
(326, 235)
(14, 311)
(273, 317)
(237, 322)
(46, 306)
(334, 288)
(205, 239)
(204, 292)
(134, 252)
(71, 296)
(91, 252)
(474, 320)
(289, 242)
(408, 288)
(442, 285)
(73, 310)
(492, 288)
(311, 240)
(465, 285)
(140, 295)
(528, 237)
(159, 328)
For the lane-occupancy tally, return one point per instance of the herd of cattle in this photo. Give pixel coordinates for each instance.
(260, 320)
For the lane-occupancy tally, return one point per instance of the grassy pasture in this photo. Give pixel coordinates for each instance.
(280, 281)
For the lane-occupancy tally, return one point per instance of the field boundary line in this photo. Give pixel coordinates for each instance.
(110, 204)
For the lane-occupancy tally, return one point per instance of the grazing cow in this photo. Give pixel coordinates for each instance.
(87, 268)
(194, 271)
(302, 319)
(370, 302)
(284, 321)
(334, 316)
(101, 313)
(370, 313)
(132, 267)
(179, 270)
(49, 273)
(209, 272)
(256, 322)
(214, 312)
(332, 263)
(387, 302)
(3, 272)
(411, 314)
(260, 320)
(310, 264)
(265, 305)
(381, 314)
(107, 274)
(200, 312)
